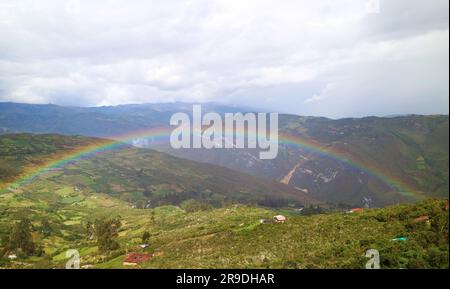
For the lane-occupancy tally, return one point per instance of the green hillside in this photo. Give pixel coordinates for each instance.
(103, 205)
(232, 237)
(141, 177)
(411, 151)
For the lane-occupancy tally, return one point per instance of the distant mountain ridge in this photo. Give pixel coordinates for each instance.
(93, 121)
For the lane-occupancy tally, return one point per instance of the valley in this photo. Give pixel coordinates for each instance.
(384, 160)
(112, 201)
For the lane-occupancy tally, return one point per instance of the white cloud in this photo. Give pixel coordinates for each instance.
(324, 94)
(105, 52)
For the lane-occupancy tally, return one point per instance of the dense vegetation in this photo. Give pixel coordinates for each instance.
(412, 150)
(233, 237)
(108, 205)
(142, 177)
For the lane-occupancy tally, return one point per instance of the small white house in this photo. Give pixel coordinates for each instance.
(280, 219)
(12, 256)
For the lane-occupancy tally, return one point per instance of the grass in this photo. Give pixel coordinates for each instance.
(232, 237)
(226, 237)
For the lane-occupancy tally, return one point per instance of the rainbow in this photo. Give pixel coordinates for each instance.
(89, 150)
(156, 134)
(343, 156)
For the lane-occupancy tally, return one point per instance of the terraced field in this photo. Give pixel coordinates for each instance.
(189, 230)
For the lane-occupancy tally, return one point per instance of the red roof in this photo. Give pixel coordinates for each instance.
(357, 210)
(421, 219)
(280, 218)
(137, 258)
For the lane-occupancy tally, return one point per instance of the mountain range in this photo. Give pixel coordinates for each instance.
(65, 172)
(372, 161)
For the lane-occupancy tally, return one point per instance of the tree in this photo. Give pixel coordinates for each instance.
(107, 232)
(20, 238)
(153, 216)
(90, 230)
(46, 228)
(145, 237)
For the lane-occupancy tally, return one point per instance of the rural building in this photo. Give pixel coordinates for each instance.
(422, 219)
(355, 210)
(134, 259)
(280, 219)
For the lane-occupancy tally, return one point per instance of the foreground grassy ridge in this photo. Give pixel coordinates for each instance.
(233, 237)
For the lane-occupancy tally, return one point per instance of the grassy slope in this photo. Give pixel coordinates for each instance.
(23, 153)
(133, 174)
(412, 149)
(229, 237)
(233, 238)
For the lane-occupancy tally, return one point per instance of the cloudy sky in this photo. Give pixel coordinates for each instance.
(334, 58)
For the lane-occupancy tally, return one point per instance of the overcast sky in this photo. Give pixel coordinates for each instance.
(334, 58)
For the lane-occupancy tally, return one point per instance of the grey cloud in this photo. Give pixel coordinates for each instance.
(399, 19)
(328, 58)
